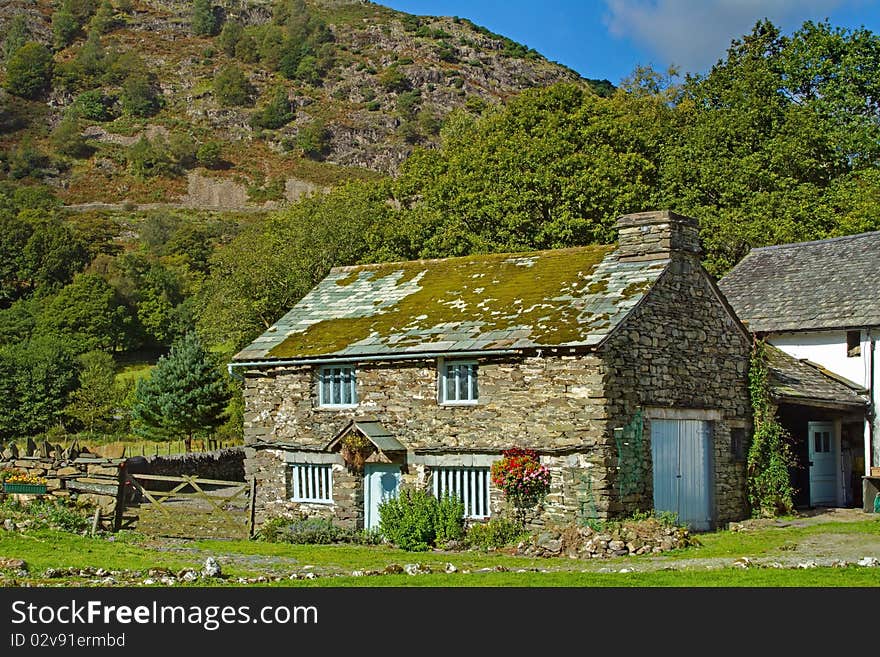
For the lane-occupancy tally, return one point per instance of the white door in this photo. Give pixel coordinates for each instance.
(681, 454)
(381, 482)
(823, 459)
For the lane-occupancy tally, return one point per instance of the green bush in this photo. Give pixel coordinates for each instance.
(311, 531)
(92, 105)
(313, 139)
(231, 87)
(450, 519)
(410, 520)
(210, 154)
(203, 19)
(496, 533)
(48, 514)
(29, 71)
(416, 520)
(276, 113)
(140, 95)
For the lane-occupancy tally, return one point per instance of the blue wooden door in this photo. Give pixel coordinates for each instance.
(823, 464)
(381, 482)
(681, 455)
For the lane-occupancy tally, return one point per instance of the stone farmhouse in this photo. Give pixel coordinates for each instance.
(819, 304)
(622, 365)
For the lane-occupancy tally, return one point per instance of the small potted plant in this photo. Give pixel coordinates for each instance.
(24, 482)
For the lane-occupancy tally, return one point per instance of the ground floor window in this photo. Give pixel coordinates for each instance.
(469, 484)
(311, 482)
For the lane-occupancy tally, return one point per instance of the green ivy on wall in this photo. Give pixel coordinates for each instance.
(770, 455)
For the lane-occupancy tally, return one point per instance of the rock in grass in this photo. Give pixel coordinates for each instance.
(11, 563)
(211, 568)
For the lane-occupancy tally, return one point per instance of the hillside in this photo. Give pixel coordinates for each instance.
(273, 99)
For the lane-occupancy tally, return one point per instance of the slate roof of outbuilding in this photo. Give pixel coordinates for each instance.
(833, 283)
(800, 381)
(561, 297)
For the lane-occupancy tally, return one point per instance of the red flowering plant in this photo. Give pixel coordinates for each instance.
(521, 477)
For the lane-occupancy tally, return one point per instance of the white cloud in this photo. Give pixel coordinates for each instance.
(694, 34)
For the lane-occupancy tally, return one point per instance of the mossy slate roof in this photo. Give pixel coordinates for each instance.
(552, 298)
(833, 283)
(800, 381)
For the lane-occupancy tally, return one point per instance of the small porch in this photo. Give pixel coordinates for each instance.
(825, 416)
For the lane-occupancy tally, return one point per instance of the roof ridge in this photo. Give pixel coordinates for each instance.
(474, 256)
(842, 238)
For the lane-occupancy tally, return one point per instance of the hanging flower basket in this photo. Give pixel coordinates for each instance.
(355, 451)
(33, 489)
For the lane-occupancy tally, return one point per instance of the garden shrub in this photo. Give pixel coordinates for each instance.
(495, 533)
(450, 519)
(416, 520)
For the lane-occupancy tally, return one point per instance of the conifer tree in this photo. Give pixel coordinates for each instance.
(184, 394)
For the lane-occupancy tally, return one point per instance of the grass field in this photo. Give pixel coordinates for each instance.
(129, 557)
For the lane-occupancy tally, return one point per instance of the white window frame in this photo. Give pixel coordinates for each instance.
(473, 385)
(471, 484)
(311, 482)
(325, 371)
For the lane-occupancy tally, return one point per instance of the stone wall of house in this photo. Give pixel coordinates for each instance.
(679, 349)
(548, 403)
(553, 403)
(272, 475)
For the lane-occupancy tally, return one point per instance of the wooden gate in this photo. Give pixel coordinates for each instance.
(190, 507)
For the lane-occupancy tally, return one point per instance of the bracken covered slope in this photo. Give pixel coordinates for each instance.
(368, 86)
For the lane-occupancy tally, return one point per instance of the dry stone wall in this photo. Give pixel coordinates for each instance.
(70, 473)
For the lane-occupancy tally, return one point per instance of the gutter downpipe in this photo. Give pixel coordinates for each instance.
(872, 392)
(360, 359)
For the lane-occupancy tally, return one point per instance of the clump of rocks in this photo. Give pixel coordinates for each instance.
(612, 539)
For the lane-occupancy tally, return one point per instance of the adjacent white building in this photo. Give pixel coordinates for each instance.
(819, 302)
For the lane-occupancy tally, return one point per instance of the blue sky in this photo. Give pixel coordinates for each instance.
(609, 38)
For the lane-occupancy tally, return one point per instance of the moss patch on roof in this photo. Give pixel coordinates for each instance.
(476, 302)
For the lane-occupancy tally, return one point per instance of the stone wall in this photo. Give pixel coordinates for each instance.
(680, 349)
(551, 403)
(223, 464)
(548, 403)
(71, 474)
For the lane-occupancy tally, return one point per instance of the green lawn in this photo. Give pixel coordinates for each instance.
(333, 564)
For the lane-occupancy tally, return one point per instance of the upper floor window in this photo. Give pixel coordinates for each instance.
(336, 386)
(853, 343)
(458, 382)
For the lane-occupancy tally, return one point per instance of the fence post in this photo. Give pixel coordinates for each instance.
(120, 498)
(252, 507)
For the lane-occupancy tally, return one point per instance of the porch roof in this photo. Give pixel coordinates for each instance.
(803, 382)
(373, 431)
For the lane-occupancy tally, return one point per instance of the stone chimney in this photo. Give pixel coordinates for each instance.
(656, 235)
